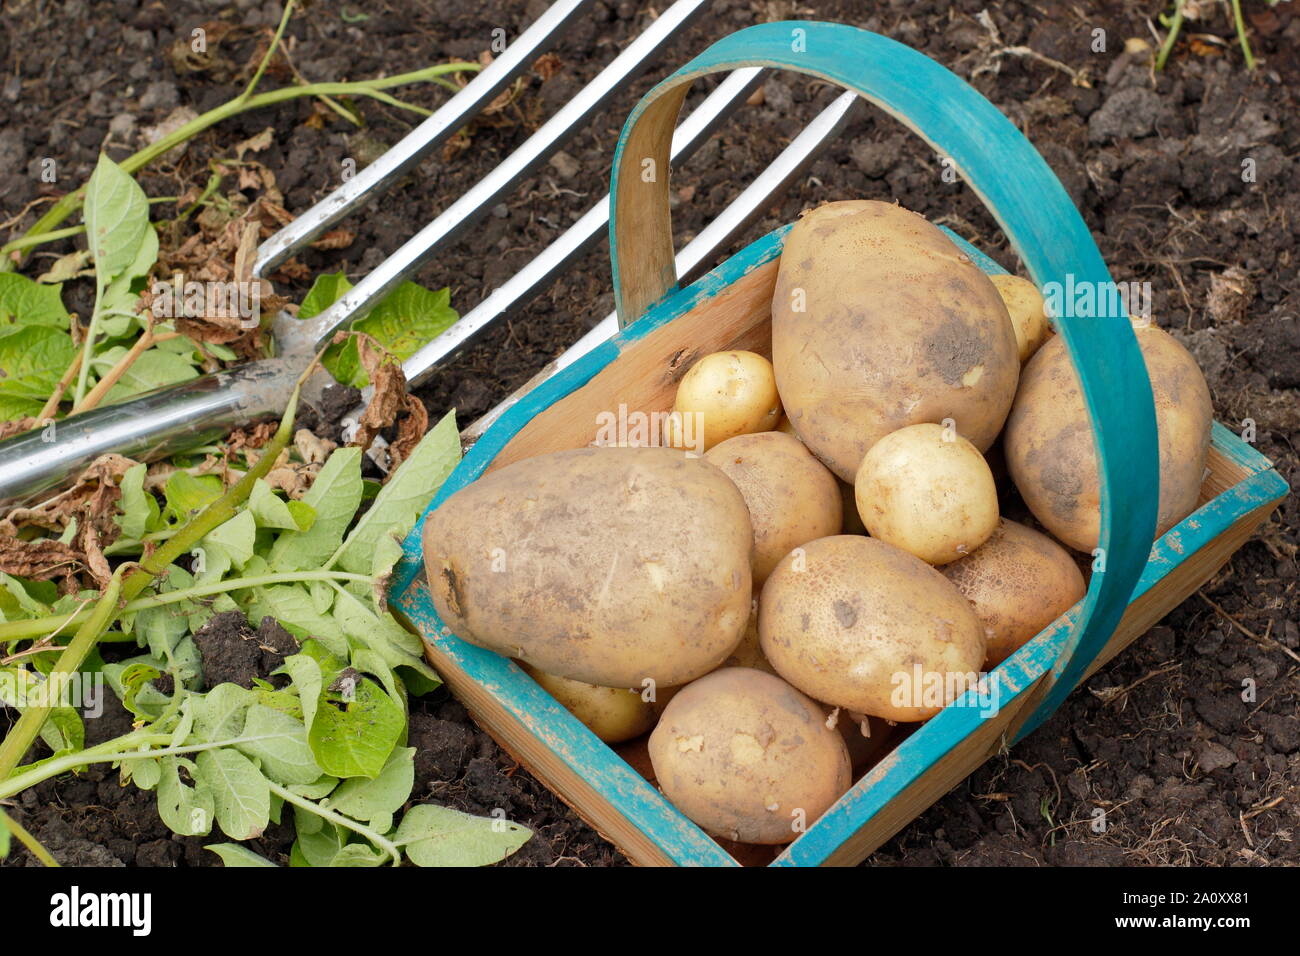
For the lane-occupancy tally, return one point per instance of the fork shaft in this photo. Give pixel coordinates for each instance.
(154, 424)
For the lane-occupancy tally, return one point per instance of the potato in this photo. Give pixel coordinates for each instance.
(603, 565)
(1049, 441)
(731, 393)
(863, 625)
(1019, 582)
(613, 714)
(748, 757)
(748, 653)
(928, 491)
(879, 322)
(791, 496)
(1028, 313)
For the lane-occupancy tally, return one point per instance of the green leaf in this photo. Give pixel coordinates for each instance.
(4, 838)
(368, 800)
(305, 672)
(359, 854)
(186, 493)
(324, 292)
(24, 302)
(318, 840)
(140, 513)
(354, 738)
(240, 793)
(219, 714)
(285, 758)
(407, 493)
(291, 605)
(122, 295)
(408, 318)
(63, 730)
(145, 774)
(235, 537)
(117, 218)
(32, 360)
(154, 368)
(232, 854)
(317, 789)
(272, 511)
(188, 810)
(335, 496)
(440, 836)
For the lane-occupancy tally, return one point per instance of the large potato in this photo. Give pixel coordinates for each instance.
(878, 322)
(1049, 441)
(748, 757)
(1019, 581)
(604, 565)
(928, 491)
(791, 496)
(613, 714)
(863, 625)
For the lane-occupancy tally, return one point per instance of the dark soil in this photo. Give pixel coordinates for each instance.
(1186, 772)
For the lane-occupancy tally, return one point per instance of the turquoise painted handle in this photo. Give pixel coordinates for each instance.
(1023, 195)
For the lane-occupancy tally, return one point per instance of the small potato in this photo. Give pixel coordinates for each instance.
(748, 757)
(1049, 442)
(791, 496)
(613, 714)
(928, 491)
(1019, 582)
(860, 624)
(1028, 312)
(732, 393)
(748, 653)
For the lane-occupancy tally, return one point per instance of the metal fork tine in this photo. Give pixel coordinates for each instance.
(576, 240)
(731, 222)
(451, 116)
(475, 203)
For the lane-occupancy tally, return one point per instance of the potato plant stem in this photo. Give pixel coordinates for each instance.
(1172, 37)
(374, 88)
(313, 807)
(52, 626)
(24, 732)
(1241, 34)
(26, 839)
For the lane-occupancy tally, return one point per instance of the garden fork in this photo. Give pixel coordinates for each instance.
(183, 416)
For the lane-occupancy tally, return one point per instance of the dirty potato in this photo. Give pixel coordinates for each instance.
(748, 757)
(860, 624)
(604, 565)
(791, 496)
(1049, 443)
(1019, 582)
(879, 322)
(613, 714)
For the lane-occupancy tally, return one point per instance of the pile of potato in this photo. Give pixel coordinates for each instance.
(760, 605)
